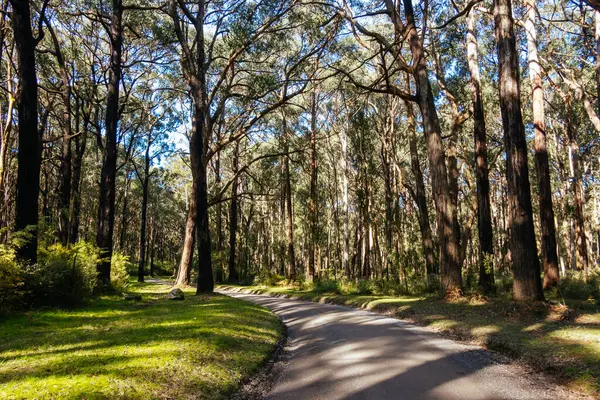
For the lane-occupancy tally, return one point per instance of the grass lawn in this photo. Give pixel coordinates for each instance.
(201, 347)
(546, 337)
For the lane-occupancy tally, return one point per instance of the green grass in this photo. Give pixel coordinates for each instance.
(202, 347)
(542, 335)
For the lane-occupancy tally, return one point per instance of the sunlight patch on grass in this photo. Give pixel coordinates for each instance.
(534, 327)
(113, 349)
(485, 330)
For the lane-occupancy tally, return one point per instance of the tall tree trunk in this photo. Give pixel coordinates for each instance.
(106, 203)
(64, 196)
(219, 217)
(29, 156)
(194, 69)
(548, 239)
(344, 190)
(580, 237)
(288, 205)
(233, 218)
(124, 210)
(145, 181)
(386, 149)
(420, 197)
(523, 247)
(451, 276)
(312, 207)
(74, 218)
(484, 215)
(187, 254)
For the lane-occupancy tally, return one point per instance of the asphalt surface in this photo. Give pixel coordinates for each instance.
(336, 352)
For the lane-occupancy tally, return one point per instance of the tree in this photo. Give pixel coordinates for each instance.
(484, 214)
(106, 203)
(29, 157)
(523, 247)
(548, 237)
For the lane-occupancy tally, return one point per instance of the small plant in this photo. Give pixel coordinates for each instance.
(574, 287)
(267, 278)
(119, 271)
(11, 281)
(63, 276)
(326, 286)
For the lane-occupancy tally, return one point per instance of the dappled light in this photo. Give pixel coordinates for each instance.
(339, 353)
(115, 349)
(535, 334)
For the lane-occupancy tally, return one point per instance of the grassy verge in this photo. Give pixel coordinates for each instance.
(202, 347)
(562, 341)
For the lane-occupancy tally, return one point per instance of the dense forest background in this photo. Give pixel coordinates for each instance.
(422, 146)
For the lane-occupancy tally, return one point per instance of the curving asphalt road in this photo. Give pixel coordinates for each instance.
(336, 352)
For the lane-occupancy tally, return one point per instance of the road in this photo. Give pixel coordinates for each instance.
(336, 352)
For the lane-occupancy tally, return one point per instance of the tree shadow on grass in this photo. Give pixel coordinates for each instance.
(205, 345)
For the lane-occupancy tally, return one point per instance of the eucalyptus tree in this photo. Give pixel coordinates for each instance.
(155, 121)
(391, 62)
(523, 247)
(29, 156)
(484, 214)
(548, 231)
(216, 72)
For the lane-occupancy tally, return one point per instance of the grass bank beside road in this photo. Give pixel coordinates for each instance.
(560, 340)
(198, 348)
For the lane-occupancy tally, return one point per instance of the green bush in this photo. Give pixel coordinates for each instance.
(327, 286)
(63, 276)
(11, 281)
(573, 286)
(119, 271)
(267, 278)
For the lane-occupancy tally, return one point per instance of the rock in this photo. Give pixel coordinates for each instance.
(133, 297)
(175, 294)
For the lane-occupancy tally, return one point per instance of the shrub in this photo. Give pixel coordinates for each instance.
(11, 281)
(119, 271)
(267, 278)
(574, 287)
(63, 276)
(327, 286)
(364, 287)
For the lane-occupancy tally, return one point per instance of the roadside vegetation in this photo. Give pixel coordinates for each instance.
(201, 347)
(560, 336)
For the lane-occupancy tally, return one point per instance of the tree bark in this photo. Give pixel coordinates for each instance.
(29, 156)
(523, 247)
(64, 196)
(205, 275)
(233, 218)
(194, 69)
(187, 254)
(580, 237)
(312, 207)
(145, 181)
(420, 197)
(106, 203)
(288, 205)
(484, 215)
(74, 217)
(548, 239)
(344, 190)
(219, 218)
(451, 276)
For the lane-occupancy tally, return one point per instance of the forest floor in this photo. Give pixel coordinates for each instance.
(562, 340)
(201, 347)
